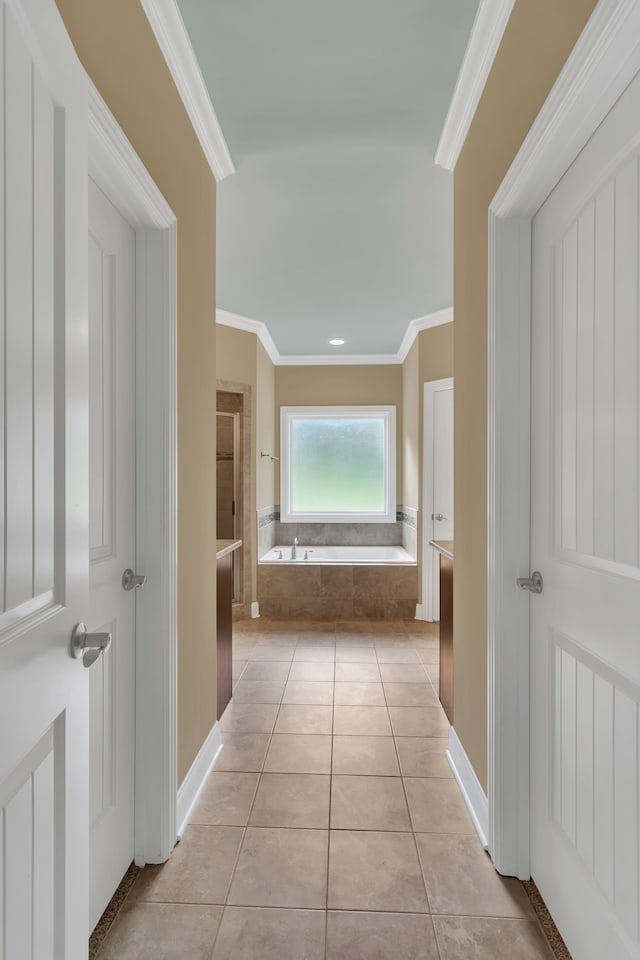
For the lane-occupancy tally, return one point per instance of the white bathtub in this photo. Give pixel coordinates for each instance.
(330, 555)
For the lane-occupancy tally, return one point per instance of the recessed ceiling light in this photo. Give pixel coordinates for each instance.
(336, 343)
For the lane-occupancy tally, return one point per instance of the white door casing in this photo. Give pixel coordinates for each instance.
(437, 486)
(585, 538)
(112, 403)
(44, 430)
(603, 62)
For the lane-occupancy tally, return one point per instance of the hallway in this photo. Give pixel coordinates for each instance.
(331, 827)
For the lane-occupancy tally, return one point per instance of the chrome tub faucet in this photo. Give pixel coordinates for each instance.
(294, 548)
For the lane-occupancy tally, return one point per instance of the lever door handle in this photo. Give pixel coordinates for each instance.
(89, 646)
(439, 517)
(131, 580)
(533, 584)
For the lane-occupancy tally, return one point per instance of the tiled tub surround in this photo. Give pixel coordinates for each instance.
(271, 531)
(267, 520)
(409, 526)
(337, 590)
(330, 828)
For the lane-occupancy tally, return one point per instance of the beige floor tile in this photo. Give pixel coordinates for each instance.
(304, 718)
(293, 753)
(433, 672)
(419, 722)
(162, 931)
(255, 933)
(258, 691)
(368, 803)
(267, 670)
(316, 654)
(375, 871)
(309, 692)
(429, 656)
(410, 695)
(396, 655)
(365, 756)
(380, 936)
(437, 807)
(273, 652)
(403, 673)
(281, 868)
(355, 654)
(249, 718)
(423, 756)
(460, 938)
(352, 640)
(303, 670)
(357, 672)
(226, 799)
(292, 800)
(366, 721)
(243, 752)
(188, 876)
(461, 879)
(359, 694)
(237, 668)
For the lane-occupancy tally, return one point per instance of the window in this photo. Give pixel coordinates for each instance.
(338, 464)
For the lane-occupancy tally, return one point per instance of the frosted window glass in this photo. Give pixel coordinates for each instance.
(338, 464)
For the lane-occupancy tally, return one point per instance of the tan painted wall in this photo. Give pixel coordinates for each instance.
(341, 385)
(117, 47)
(538, 39)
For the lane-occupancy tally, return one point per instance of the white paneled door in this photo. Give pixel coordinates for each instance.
(438, 484)
(44, 510)
(585, 540)
(112, 407)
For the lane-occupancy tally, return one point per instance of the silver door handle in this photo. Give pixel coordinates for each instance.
(533, 584)
(131, 580)
(89, 646)
(439, 517)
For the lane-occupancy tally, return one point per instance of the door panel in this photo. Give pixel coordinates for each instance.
(43, 488)
(112, 543)
(438, 489)
(585, 669)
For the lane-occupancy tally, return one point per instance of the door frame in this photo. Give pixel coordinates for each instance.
(428, 554)
(119, 172)
(604, 60)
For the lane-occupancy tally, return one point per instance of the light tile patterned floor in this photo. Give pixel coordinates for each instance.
(331, 828)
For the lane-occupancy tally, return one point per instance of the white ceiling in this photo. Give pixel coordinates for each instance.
(336, 223)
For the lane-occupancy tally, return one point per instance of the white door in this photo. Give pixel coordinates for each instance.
(44, 510)
(585, 540)
(438, 486)
(112, 543)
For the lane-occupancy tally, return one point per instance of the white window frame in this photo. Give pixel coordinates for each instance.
(288, 416)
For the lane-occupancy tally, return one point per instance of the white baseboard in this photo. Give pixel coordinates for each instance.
(190, 788)
(473, 795)
(255, 610)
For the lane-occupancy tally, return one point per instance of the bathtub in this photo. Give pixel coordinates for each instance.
(360, 556)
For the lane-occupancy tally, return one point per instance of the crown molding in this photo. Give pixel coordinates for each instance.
(486, 34)
(227, 319)
(566, 120)
(337, 360)
(172, 37)
(436, 319)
